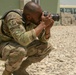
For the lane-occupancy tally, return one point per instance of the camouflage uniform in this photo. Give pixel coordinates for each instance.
(21, 42)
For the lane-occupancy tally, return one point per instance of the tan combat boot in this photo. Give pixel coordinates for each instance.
(22, 69)
(6, 73)
(20, 72)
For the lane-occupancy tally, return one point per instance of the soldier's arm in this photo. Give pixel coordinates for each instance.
(42, 37)
(17, 30)
(46, 34)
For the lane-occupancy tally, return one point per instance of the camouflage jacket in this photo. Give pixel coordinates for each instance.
(18, 30)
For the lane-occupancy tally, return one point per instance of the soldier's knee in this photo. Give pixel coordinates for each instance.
(16, 56)
(19, 52)
(15, 59)
(43, 53)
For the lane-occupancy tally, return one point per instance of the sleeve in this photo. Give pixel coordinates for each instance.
(17, 30)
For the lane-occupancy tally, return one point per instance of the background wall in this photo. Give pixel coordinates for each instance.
(48, 5)
(6, 5)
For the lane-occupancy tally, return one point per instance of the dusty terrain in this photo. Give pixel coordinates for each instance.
(61, 60)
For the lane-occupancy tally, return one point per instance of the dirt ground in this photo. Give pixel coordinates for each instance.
(61, 60)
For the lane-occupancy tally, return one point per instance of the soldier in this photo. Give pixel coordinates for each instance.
(24, 38)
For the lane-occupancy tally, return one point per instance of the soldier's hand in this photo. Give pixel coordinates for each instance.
(47, 20)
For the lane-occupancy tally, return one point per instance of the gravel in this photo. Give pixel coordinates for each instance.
(61, 60)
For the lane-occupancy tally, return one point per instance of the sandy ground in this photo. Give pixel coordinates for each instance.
(61, 60)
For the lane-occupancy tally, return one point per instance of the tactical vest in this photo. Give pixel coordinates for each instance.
(2, 33)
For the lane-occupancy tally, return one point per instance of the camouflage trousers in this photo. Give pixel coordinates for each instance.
(15, 54)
